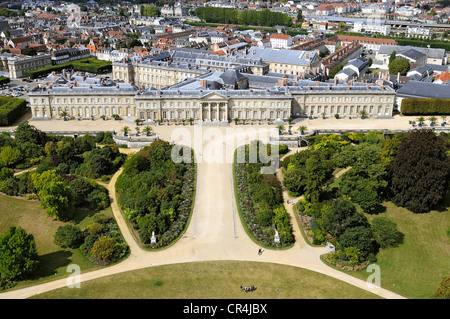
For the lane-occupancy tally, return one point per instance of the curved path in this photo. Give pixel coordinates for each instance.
(214, 233)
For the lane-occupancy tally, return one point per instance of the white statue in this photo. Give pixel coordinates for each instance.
(153, 239)
(276, 238)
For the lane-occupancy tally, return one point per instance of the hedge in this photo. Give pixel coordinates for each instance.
(425, 107)
(11, 109)
(87, 65)
(4, 80)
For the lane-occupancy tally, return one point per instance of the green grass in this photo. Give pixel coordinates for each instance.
(214, 279)
(53, 259)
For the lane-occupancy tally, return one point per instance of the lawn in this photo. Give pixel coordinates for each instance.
(53, 259)
(214, 279)
(415, 268)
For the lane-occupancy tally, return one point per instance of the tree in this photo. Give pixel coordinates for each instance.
(150, 11)
(295, 180)
(18, 255)
(68, 236)
(399, 66)
(7, 33)
(54, 195)
(342, 215)
(147, 130)
(335, 70)
(299, 16)
(359, 237)
(10, 156)
(419, 174)
(30, 51)
(125, 130)
(28, 133)
(316, 173)
(392, 57)
(81, 188)
(385, 232)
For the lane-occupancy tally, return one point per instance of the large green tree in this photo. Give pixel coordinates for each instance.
(385, 232)
(18, 255)
(54, 195)
(342, 215)
(399, 66)
(419, 174)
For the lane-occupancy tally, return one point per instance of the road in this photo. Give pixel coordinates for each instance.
(215, 231)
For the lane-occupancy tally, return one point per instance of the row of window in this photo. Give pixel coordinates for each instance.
(313, 110)
(83, 100)
(87, 112)
(345, 99)
(84, 111)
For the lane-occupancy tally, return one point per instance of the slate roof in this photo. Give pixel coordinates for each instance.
(282, 55)
(412, 54)
(433, 53)
(419, 89)
(357, 63)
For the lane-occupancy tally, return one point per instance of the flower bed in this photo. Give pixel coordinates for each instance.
(264, 235)
(184, 211)
(342, 265)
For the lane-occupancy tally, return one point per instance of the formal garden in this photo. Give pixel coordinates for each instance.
(393, 190)
(59, 177)
(156, 194)
(259, 198)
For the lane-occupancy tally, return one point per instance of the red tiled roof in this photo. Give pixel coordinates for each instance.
(280, 36)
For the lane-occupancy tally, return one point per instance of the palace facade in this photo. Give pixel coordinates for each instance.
(213, 98)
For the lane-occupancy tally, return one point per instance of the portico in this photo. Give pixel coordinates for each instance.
(214, 111)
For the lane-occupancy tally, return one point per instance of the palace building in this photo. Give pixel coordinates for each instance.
(216, 96)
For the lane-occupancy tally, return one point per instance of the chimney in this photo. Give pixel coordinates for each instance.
(203, 83)
(53, 73)
(336, 80)
(68, 76)
(316, 83)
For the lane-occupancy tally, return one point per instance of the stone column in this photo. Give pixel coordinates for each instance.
(225, 116)
(218, 112)
(209, 112)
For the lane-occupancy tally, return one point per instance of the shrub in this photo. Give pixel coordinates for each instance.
(68, 236)
(264, 217)
(11, 109)
(87, 65)
(443, 292)
(425, 106)
(94, 228)
(104, 249)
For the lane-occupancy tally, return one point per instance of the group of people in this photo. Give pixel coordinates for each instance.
(248, 289)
